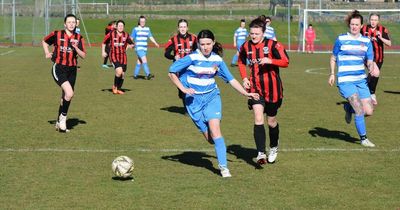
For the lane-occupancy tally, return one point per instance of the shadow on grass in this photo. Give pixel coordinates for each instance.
(341, 103)
(71, 123)
(392, 92)
(116, 178)
(139, 77)
(243, 153)
(175, 109)
(110, 90)
(332, 134)
(197, 159)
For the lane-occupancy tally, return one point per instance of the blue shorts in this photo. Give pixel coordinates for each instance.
(141, 53)
(348, 89)
(204, 107)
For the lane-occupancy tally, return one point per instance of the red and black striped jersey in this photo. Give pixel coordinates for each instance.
(367, 30)
(64, 53)
(264, 78)
(108, 29)
(118, 43)
(179, 45)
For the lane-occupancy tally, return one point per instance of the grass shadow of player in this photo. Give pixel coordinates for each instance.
(139, 77)
(71, 123)
(110, 90)
(392, 92)
(197, 159)
(122, 179)
(175, 109)
(332, 134)
(243, 153)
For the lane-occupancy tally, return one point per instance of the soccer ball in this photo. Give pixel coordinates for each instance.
(122, 166)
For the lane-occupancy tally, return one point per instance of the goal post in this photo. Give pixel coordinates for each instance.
(329, 23)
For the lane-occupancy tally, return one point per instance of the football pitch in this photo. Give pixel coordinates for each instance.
(320, 165)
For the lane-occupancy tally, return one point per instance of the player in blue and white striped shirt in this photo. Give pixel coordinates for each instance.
(239, 38)
(269, 32)
(350, 53)
(140, 34)
(203, 102)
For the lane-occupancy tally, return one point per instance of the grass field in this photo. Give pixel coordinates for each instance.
(321, 164)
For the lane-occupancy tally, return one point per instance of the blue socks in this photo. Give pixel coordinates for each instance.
(220, 149)
(137, 69)
(360, 125)
(146, 69)
(234, 59)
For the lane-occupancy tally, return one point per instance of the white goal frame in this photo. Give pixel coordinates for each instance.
(305, 20)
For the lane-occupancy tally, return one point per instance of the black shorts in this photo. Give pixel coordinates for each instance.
(271, 109)
(118, 64)
(63, 73)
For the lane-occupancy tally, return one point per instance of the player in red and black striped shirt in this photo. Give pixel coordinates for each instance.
(179, 46)
(380, 37)
(265, 57)
(67, 46)
(119, 41)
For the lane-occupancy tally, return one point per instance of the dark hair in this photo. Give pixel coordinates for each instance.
(354, 15)
(69, 15)
(183, 21)
(217, 48)
(111, 23)
(258, 23)
(119, 21)
(374, 14)
(243, 20)
(309, 25)
(142, 16)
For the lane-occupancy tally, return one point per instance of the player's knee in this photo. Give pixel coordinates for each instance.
(68, 95)
(272, 122)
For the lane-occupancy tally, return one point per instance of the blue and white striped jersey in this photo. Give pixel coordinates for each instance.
(198, 71)
(351, 54)
(140, 35)
(269, 32)
(240, 35)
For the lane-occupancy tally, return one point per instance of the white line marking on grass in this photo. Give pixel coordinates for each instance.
(8, 52)
(320, 149)
(317, 71)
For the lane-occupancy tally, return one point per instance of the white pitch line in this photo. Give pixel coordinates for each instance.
(317, 71)
(8, 52)
(59, 150)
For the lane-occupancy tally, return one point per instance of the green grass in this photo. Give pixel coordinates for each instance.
(174, 167)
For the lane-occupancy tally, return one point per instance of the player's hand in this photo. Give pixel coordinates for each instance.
(375, 70)
(255, 96)
(49, 55)
(331, 79)
(104, 54)
(177, 57)
(131, 45)
(246, 83)
(189, 91)
(265, 60)
(157, 45)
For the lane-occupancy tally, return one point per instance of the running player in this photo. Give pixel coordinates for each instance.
(119, 41)
(379, 36)
(265, 56)
(140, 34)
(179, 46)
(350, 51)
(239, 38)
(203, 101)
(67, 46)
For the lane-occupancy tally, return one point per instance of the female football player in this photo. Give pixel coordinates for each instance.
(203, 101)
(67, 46)
(350, 51)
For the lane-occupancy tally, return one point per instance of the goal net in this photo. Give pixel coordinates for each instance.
(329, 23)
